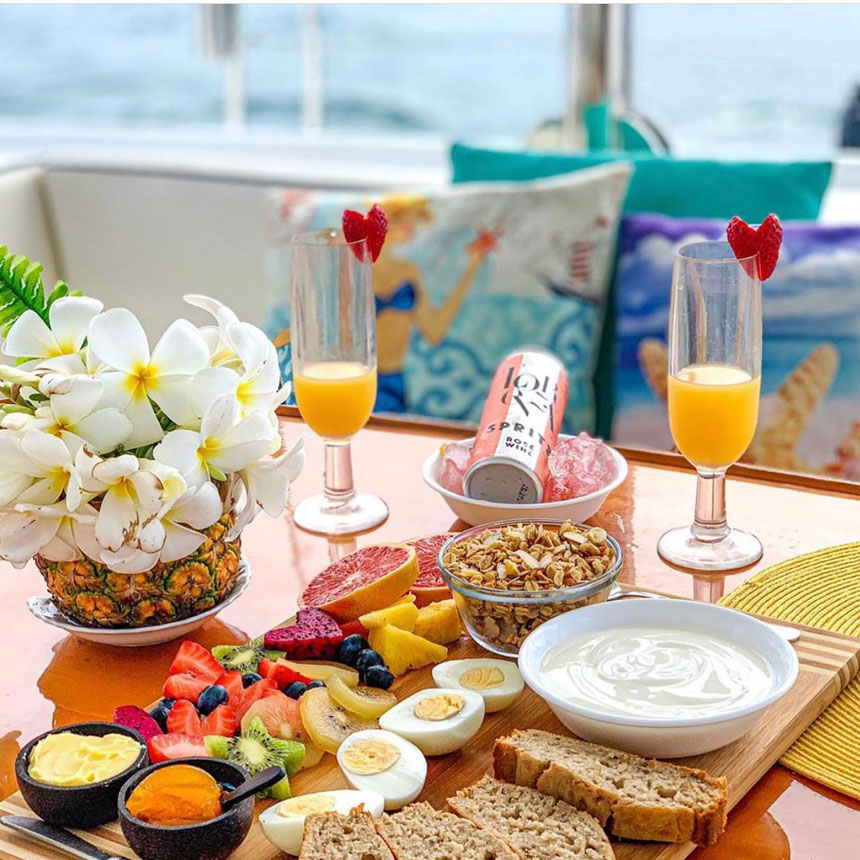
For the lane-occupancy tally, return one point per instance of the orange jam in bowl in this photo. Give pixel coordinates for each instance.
(176, 795)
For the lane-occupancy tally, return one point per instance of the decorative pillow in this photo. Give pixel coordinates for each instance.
(695, 188)
(469, 274)
(810, 415)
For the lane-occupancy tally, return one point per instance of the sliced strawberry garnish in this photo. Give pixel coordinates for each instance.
(371, 227)
(282, 675)
(254, 692)
(232, 683)
(184, 686)
(377, 227)
(193, 659)
(762, 242)
(222, 721)
(170, 747)
(183, 719)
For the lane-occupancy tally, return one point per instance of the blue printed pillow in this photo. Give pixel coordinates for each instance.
(469, 274)
(810, 415)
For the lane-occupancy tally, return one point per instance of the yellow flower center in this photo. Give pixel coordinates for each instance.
(143, 377)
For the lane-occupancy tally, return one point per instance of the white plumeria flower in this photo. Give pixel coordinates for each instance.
(224, 444)
(267, 481)
(69, 413)
(30, 337)
(220, 349)
(50, 530)
(15, 468)
(40, 466)
(134, 492)
(135, 376)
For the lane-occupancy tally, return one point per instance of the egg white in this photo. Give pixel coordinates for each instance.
(448, 674)
(286, 832)
(399, 784)
(436, 737)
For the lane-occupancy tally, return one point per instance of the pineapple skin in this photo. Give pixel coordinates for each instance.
(95, 596)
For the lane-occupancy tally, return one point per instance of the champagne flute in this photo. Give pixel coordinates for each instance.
(713, 392)
(333, 331)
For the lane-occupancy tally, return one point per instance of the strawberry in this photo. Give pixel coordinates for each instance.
(184, 720)
(282, 675)
(371, 227)
(351, 627)
(354, 230)
(254, 692)
(193, 659)
(184, 686)
(222, 721)
(232, 683)
(377, 227)
(762, 242)
(170, 747)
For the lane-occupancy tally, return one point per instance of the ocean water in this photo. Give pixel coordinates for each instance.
(743, 80)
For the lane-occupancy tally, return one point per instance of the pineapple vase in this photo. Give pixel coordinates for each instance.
(95, 596)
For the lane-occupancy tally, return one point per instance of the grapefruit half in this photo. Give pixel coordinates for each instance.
(429, 587)
(368, 579)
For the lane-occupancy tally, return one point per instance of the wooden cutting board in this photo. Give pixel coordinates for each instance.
(828, 662)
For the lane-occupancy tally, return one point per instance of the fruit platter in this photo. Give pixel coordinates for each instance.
(373, 722)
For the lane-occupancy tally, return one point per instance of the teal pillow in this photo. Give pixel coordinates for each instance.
(682, 188)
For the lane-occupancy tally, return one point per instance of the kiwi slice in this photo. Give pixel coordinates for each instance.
(240, 658)
(255, 750)
(328, 724)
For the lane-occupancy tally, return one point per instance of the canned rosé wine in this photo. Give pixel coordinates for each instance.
(519, 426)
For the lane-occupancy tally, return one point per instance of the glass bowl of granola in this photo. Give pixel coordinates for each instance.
(508, 577)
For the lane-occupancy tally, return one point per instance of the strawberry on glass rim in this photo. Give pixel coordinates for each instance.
(762, 242)
(371, 227)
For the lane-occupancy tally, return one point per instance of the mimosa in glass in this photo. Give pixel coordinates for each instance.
(333, 339)
(713, 394)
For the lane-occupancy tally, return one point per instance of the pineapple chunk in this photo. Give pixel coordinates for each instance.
(403, 650)
(401, 614)
(438, 622)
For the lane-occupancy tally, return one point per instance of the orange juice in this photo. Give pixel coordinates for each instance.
(713, 409)
(335, 397)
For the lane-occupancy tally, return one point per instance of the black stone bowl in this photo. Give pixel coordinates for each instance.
(79, 805)
(209, 840)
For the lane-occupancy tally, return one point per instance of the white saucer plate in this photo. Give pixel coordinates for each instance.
(133, 637)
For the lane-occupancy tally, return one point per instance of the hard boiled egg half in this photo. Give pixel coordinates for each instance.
(438, 721)
(284, 823)
(380, 761)
(498, 682)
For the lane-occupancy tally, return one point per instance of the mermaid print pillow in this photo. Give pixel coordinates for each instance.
(469, 274)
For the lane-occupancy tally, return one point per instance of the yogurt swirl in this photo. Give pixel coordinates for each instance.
(667, 673)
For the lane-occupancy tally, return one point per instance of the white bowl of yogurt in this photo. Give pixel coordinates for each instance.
(662, 678)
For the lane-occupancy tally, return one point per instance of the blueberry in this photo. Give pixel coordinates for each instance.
(316, 684)
(210, 698)
(350, 648)
(160, 711)
(250, 678)
(296, 689)
(378, 676)
(366, 659)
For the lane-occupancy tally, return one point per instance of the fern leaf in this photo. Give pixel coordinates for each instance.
(20, 288)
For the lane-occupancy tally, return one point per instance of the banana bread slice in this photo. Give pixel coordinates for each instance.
(632, 797)
(347, 837)
(535, 825)
(419, 832)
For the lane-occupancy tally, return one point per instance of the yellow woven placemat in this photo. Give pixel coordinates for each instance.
(820, 589)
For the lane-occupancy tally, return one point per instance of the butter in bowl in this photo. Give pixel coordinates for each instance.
(662, 678)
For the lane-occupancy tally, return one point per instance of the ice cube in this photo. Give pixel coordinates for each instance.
(578, 466)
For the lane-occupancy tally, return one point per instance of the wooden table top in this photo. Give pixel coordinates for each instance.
(50, 679)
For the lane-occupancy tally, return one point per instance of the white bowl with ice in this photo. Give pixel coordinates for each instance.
(586, 469)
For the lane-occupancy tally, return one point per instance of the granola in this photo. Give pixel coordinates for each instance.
(526, 557)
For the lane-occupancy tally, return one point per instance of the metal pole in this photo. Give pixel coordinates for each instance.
(221, 41)
(312, 70)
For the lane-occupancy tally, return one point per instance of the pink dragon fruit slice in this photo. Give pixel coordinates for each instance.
(136, 718)
(314, 636)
